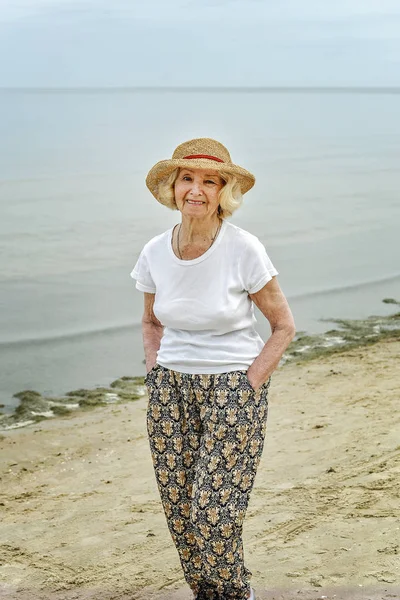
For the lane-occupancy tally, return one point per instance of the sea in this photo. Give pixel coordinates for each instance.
(75, 213)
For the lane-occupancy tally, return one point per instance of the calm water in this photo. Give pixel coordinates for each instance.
(75, 213)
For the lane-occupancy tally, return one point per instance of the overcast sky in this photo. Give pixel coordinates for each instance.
(199, 42)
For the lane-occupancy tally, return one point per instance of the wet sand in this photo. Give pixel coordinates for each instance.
(81, 517)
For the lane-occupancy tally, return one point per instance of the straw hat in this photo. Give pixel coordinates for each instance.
(201, 153)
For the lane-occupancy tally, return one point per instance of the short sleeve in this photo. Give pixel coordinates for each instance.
(141, 272)
(256, 266)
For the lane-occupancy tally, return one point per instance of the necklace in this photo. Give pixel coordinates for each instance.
(212, 239)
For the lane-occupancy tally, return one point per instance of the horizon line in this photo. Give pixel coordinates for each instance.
(142, 88)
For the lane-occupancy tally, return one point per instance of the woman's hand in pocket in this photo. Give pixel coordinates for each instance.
(254, 379)
(149, 372)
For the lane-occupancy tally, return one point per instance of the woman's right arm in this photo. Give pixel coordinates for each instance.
(152, 331)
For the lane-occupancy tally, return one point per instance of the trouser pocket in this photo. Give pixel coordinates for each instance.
(150, 374)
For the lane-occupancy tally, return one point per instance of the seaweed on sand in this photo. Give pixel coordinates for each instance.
(350, 333)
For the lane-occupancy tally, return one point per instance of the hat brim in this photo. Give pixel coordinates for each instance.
(164, 168)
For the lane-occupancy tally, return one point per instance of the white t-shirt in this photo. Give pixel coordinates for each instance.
(203, 303)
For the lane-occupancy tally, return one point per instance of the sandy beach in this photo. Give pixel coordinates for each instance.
(81, 516)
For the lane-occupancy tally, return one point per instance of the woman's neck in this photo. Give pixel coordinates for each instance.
(192, 230)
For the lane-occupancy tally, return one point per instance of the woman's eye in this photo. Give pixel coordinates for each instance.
(209, 181)
(186, 178)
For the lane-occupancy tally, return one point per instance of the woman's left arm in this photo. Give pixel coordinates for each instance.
(274, 306)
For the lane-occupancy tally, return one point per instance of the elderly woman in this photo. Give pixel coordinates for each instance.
(208, 370)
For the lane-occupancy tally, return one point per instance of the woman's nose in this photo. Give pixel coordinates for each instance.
(196, 188)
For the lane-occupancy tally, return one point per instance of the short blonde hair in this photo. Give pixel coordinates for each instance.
(230, 196)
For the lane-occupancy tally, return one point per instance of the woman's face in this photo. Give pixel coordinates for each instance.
(197, 191)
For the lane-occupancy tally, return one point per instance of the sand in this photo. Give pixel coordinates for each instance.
(81, 517)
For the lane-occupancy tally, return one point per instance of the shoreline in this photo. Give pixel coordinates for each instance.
(83, 519)
(34, 407)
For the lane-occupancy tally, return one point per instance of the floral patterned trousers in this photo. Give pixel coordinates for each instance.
(206, 437)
